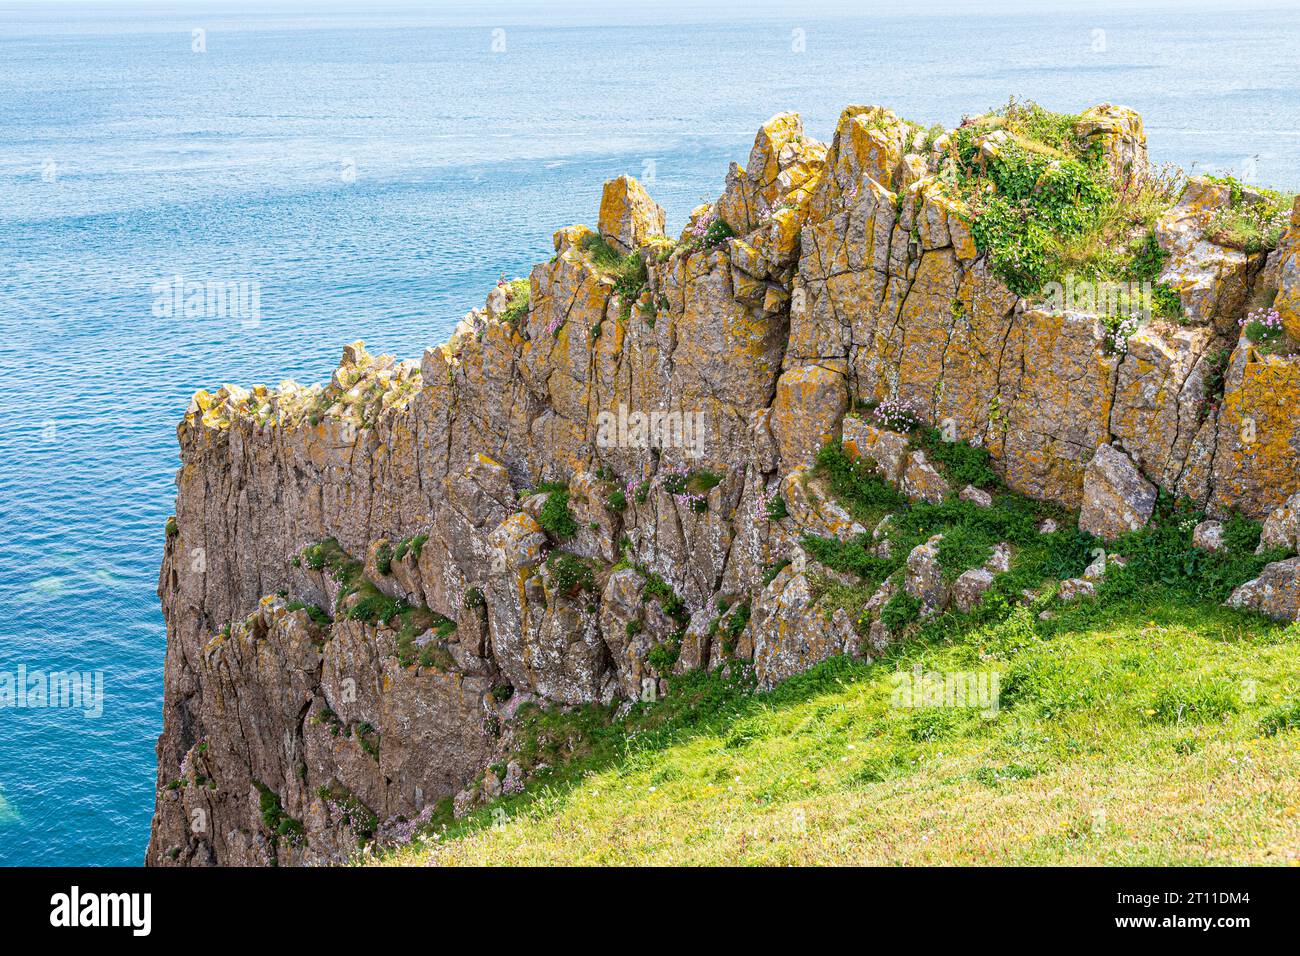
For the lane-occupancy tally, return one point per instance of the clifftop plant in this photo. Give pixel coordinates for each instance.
(1046, 208)
(1254, 219)
(629, 272)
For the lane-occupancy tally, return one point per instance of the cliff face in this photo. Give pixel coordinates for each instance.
(680, 406)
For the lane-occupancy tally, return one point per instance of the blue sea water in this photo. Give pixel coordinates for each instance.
(375, 170)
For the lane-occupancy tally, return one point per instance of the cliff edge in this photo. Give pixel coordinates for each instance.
(612, 471)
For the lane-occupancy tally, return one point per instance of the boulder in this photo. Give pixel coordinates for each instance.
(1208, 536)
(969, 588)
(1275, 593)
(924, 577)
(791, 633)
(976, 496)
(1075, 589)
(887, 449)
(999, 561)
(1282, 527)
(1116, 498)
(922, 481)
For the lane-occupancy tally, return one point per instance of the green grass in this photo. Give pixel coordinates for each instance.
(1255, 226)
(1150, 726)
(629, 272)
(1148, 730)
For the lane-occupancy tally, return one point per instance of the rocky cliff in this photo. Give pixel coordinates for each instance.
(606, 473)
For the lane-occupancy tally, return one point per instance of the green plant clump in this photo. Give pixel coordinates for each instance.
(555, 517)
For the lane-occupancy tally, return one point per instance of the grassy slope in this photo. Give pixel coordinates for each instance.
(1127, 734)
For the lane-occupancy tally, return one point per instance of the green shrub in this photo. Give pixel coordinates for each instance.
(776, 508)
(962, 548)
(664, 655)
(616, 501)
(899, 611)
(857, 484)
(962, 463)
(570, 575)
(518, 300)
(376, 607)
(1162, 552)
(555, 516)
(851, 557)
(278, 823)
(384, 559)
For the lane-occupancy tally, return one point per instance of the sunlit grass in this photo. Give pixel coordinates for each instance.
(1140, 732)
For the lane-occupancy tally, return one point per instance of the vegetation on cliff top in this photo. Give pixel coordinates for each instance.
(1046, 207)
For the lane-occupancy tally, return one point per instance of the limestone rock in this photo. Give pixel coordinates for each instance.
(924, 580)
(887, 449)
(853, 277)
(1075, 589)
(922, 481)
(790, 633)
(1282, 527)
(1123, 140)
(1258, 435)
(629, 218)
(1116, 498)
(1287, 270)
(1275, 593)
(969, 588)
(976, 496)
(999, 561)
(810, 402)
(1208, 536)
(1211, 280)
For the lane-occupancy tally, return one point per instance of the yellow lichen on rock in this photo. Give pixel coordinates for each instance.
(1287, 301)
(629, 218)
(1123, 140)
(1257, 464)
(806, 413)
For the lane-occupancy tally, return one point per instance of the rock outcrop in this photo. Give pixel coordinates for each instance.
(659, 408)
(1116, 498)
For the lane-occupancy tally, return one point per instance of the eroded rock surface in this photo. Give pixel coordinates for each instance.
(678, 412)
